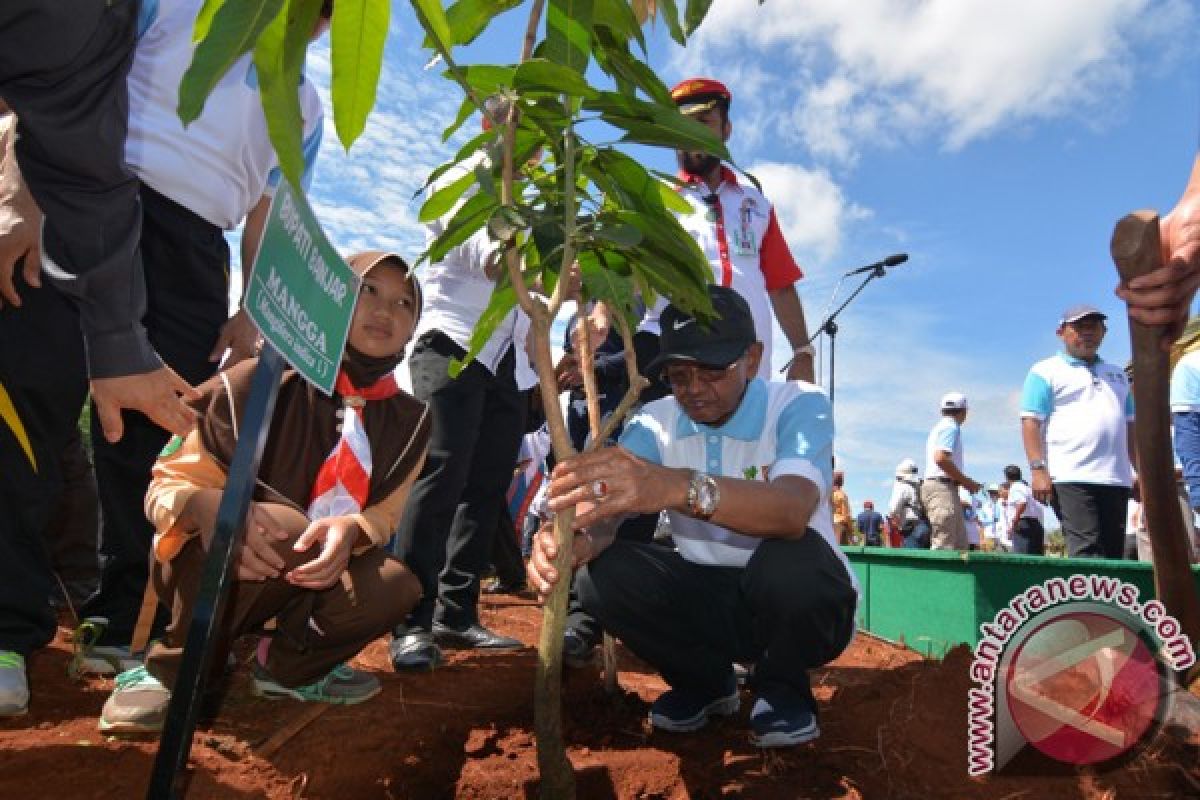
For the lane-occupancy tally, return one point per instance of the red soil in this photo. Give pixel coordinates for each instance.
(893, 726)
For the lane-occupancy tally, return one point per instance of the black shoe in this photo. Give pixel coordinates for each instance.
(415, 652)
(472, 637)
(577, 652)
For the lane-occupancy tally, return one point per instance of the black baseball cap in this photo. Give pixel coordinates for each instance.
(716, 343)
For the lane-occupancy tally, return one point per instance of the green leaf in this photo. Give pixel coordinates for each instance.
(567, 40)
(205, 17)
(487, 79)
(358, 32)
(696, 11)
(232, 30)
(279, 60)
(670, 14)
(433, 19)
(502, 301)
(613, 56)
(468, 18)
(603, 282)
(469, 218)
(540, 75)
(619, 16)
(655, 123)
(442, 200)
(622, 234)
(465, 110)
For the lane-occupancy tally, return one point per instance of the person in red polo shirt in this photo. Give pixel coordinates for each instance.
(735, 226)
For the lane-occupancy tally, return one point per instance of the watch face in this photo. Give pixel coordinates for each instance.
(704, 498)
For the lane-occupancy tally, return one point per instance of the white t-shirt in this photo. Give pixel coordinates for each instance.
(1185, 383)
(946, 435)
(903, 503)
(1085, 411)
(1019, 492)
(222, 163)
(457, 292)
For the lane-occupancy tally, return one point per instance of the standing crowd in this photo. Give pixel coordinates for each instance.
(377, 510)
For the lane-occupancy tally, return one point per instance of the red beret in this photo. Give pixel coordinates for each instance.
(699, 94)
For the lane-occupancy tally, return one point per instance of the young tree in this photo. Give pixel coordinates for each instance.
(548, 179)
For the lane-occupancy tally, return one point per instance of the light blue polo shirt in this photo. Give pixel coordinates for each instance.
(779, 429)
(1185, 384)
(946, 435)
(1085, 410)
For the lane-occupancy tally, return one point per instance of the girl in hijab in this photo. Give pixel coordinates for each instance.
(334, 479)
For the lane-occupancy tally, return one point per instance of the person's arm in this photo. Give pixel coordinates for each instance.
(779, 509)
(1035, 453)
(20, 221)
(1164, 295)
(945, 462)
(239, 335)
(790, 313)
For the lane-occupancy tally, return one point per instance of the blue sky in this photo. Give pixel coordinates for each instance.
(996, 143)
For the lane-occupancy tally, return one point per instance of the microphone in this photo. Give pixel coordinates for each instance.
(891, 261)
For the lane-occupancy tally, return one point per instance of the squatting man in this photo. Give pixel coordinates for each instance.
(743, 469)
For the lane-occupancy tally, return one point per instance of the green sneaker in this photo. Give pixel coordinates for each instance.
(14, 685)
(138, 704)
(90, 658)
(342, 686)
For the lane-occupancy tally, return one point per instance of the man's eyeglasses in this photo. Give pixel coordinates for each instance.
(679, 376)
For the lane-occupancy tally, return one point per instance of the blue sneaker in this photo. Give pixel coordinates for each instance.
(782, 717)
(685, 710)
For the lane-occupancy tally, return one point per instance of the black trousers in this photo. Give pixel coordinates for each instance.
(74, 529)
(43, 379)
(1093, 518)
(187, 284)
(789, 610)
(446, 534)
(1029, 537)
(586, 626)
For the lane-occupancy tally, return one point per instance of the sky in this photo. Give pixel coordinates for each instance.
(994, 143)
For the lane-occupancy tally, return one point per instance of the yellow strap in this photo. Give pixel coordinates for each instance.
(8, 413)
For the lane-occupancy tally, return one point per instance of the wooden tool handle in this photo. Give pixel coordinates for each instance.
(1136, 250)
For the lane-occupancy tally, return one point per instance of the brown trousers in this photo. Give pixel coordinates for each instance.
(314, 631)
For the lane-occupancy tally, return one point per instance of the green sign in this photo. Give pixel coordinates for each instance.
(301, 294)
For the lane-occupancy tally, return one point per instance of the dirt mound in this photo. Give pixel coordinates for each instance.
(893, 726)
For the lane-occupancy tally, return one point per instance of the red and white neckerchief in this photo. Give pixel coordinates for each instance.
(344, 479)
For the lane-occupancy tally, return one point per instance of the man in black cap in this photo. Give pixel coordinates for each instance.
(1077, 427)
(743, 469)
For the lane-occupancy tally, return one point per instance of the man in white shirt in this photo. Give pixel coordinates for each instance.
(1077, 428)
(743, 469)
(735, 226)
(1024, 515)
(905, 509)
(944, 473)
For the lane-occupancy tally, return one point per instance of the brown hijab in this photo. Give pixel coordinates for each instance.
(305, 425)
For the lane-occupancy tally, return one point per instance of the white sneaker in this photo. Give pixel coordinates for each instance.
(14, 686)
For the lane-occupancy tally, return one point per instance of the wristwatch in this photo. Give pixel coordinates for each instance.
(807, 350)
(1037, 463)
(703, 495)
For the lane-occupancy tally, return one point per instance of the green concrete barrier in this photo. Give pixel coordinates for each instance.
(931, 601)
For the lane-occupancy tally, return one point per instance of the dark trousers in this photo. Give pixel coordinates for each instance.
(315, 629)
(636, 529)
(789, 610)
(1029, 537)
(1093, 518)
(187, 283)
(74, 528)
(507, 557)
(43, 383)
(446, 533)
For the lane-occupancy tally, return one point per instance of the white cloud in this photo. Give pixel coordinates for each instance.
(878, 71)
(813, 212)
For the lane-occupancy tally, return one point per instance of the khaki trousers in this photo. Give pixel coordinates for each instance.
(945, 515)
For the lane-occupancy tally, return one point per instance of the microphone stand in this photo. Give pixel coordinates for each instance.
(830, 328)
